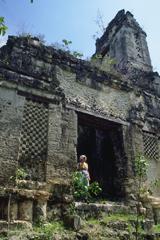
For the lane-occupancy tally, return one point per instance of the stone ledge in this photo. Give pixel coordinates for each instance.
(95, 209)
(15, 224)
(25, 193)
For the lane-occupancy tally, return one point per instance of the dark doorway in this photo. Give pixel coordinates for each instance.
(102, 142)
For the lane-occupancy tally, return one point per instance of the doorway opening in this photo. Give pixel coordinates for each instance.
(102, 142)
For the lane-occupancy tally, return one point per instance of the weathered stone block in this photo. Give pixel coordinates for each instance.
(25, 210)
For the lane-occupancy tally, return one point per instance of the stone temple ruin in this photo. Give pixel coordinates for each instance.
(54, 107)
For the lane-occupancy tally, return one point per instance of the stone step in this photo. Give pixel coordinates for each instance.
(86, 210)
(14, 224)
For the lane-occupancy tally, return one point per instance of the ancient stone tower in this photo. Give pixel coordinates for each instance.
(125, 41)
(54, 107)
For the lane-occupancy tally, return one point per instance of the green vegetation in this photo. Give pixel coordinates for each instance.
(3, 27)
(46, 231)
(21, 174)
(127, 222)
(83, 192)
(94, 189)
(96, 228)
(114, 217)
(66, 46)
(40, 231)
(156, 228)
(141, 166)
(106, 64)
(66, 43)
(80, 186)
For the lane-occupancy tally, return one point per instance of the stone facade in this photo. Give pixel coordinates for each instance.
(50, 102)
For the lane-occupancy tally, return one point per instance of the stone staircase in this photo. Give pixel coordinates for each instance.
(86, 210)
(115, 221)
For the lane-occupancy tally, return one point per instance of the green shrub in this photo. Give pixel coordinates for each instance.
(47, 230)
(21, 174)
(80, 186)
(94, 189)
(81, 189)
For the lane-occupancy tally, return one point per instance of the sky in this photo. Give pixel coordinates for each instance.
(75, 20)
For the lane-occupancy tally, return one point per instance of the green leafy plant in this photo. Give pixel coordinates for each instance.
(141, 166)
(3, 27)
(156, 228)
(46, 231)
(66, 45)
(77, 54)
(66, 42)
(21, 174)
(96, 57)
(105, 63)
(82, 191)
(94, 189)
(80, 186)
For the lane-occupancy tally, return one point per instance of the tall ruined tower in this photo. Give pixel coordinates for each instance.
(125, 41)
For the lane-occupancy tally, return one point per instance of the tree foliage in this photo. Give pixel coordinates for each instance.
(3, 27)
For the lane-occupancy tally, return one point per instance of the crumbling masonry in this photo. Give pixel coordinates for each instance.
(54, 107)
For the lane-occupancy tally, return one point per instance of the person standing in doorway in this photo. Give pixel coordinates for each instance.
(83, 167)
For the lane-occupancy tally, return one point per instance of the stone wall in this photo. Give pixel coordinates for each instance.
(59, 86)
(11, 114)
(62, 138)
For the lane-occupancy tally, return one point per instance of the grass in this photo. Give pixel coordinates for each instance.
(114, 217)
(130, 219)
(46, 231)
(156, 228)
(119, 217)
(49, 228)
(41, 231)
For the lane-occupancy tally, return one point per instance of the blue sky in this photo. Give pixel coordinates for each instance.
(75, 20)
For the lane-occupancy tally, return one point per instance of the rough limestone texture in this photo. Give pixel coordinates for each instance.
(125, 41)
(11, 113)
(47, 96)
